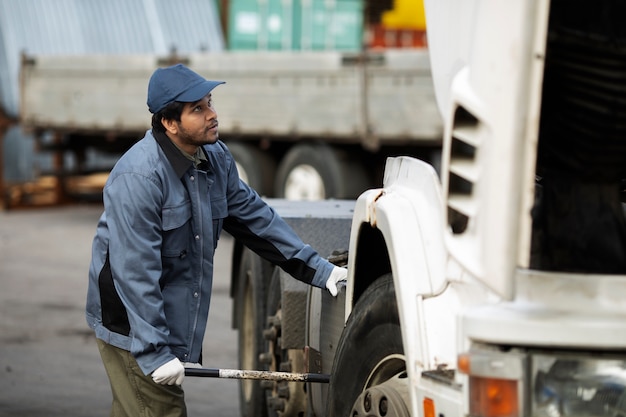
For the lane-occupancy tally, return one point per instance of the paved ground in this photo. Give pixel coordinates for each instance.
(49, 362)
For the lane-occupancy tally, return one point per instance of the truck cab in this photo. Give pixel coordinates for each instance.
(495, 286)
(507, 269)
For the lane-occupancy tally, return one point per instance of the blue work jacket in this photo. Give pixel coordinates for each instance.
(151, 271)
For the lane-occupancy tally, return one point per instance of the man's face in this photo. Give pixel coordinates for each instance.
(197, 126)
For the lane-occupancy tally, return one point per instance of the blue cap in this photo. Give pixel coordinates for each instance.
(176, 83)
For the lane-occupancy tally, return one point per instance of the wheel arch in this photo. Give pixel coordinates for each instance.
(374, 258)
(399, 229)
(371, 262)
(393, 244)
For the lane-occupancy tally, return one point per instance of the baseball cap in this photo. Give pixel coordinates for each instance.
(176, 83)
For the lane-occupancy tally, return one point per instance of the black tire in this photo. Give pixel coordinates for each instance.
(256, 167)
(251, 302)
(372, 334)
(342, 175)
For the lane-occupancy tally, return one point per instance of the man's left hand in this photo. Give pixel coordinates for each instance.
(338, 275)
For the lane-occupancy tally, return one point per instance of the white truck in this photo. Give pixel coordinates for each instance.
(496, 289)
(301, 124)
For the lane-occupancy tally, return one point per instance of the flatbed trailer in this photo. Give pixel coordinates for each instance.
(301, 124)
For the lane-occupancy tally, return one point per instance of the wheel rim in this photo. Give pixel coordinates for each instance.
(386, 393)
(304, 182)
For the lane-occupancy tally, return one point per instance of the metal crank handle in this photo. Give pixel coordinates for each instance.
(262, 375)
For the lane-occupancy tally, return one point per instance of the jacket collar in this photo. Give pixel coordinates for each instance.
(174, 156)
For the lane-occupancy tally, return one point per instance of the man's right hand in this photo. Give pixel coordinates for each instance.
(173, 372)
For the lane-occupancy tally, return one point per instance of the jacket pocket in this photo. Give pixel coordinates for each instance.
(177, 234)
(176, 216)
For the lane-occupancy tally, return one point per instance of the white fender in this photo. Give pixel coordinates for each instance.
(408, 211)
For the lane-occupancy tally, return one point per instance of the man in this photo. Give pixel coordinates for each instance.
(166, 202)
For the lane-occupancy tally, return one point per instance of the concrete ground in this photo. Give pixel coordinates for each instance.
(49, 362)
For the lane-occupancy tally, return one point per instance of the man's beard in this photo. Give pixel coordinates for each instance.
(196, 139)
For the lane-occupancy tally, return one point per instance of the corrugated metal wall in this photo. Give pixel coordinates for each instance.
(96, 26)
(92, 26)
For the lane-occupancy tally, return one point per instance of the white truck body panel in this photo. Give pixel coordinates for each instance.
(450, 43)
(552, 308)
(504, 59)
(311, 94)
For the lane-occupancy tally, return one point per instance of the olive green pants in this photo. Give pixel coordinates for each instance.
(135, 394)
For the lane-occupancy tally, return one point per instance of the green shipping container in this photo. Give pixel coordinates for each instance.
(330, 25)
(260, 25)
(295, 25)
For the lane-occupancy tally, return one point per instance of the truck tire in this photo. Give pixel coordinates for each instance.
(251, 299)
(368, 377)
(256, 167)
(316, 171)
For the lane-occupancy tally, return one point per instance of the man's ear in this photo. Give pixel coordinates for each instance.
(170, 125)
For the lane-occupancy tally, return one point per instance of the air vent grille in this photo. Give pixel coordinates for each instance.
(463, 171)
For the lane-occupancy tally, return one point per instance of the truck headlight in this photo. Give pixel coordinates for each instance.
(578, 386)
(516, 384)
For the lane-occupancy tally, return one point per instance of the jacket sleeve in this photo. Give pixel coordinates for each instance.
(257, 225)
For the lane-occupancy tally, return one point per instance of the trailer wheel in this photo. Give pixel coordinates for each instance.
(284, 398)
(368, 377)
(250, 335)
(256, 167)
(316, 171)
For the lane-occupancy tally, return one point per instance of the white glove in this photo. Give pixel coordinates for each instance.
(173, 372)
(338, 275)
